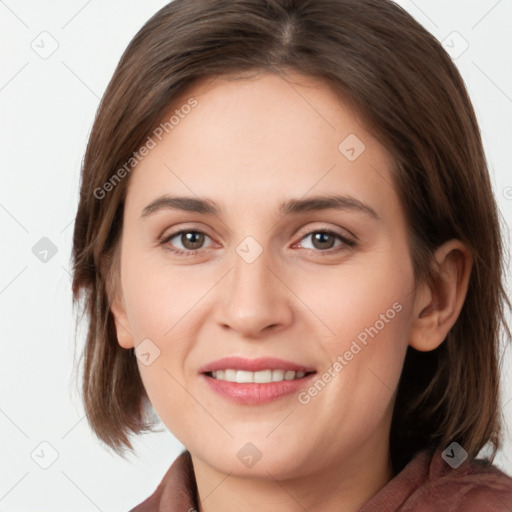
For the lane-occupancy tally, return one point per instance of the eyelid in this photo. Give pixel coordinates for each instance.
(183, 227)
(341, 232)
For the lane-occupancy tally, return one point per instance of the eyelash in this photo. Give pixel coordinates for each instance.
(350, 243)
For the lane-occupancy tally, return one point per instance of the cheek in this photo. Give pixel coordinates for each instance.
(158, 296)
(368, 311)
(160, 308)
(371, 299)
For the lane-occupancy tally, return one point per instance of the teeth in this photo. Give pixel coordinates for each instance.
(277, 375)
(243, 376)
(261, 377)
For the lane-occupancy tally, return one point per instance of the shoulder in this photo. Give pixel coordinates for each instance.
(474, 486)
(430, 484)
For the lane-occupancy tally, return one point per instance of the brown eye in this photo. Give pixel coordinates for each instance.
(325, 240)
(190, 240)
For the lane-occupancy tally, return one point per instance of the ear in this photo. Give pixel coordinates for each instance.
(118, 308)
(110, 269)
(437, 308)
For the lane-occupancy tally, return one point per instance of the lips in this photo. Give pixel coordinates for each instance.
(254, 392)
(254, 365)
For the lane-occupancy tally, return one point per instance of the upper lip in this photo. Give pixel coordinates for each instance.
(254, 365)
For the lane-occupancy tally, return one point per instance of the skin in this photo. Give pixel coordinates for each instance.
(248, 145)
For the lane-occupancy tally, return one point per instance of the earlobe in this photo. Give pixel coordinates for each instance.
(437, 307)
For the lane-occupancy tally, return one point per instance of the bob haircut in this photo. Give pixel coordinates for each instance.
(410, 94)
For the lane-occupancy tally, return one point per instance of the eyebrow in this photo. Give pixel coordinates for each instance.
(207, 206)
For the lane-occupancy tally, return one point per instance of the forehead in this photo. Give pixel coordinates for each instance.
(262, 137)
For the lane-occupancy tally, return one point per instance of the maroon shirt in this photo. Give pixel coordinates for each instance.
(426, 484)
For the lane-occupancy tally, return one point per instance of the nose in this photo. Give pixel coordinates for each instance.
(255, 298)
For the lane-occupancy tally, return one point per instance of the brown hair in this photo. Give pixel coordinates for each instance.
(410, 93)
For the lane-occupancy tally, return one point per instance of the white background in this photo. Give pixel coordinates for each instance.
(47, 108)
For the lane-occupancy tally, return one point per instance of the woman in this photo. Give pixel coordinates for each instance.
(288, 247)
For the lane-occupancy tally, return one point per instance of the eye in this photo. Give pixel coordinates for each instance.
(323, 240)
(191, 240)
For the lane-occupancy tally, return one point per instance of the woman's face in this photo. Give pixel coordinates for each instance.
(326, 289)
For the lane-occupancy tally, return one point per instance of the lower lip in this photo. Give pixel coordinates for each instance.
(256, 394)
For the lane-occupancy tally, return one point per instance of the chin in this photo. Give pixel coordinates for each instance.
(262, 461)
